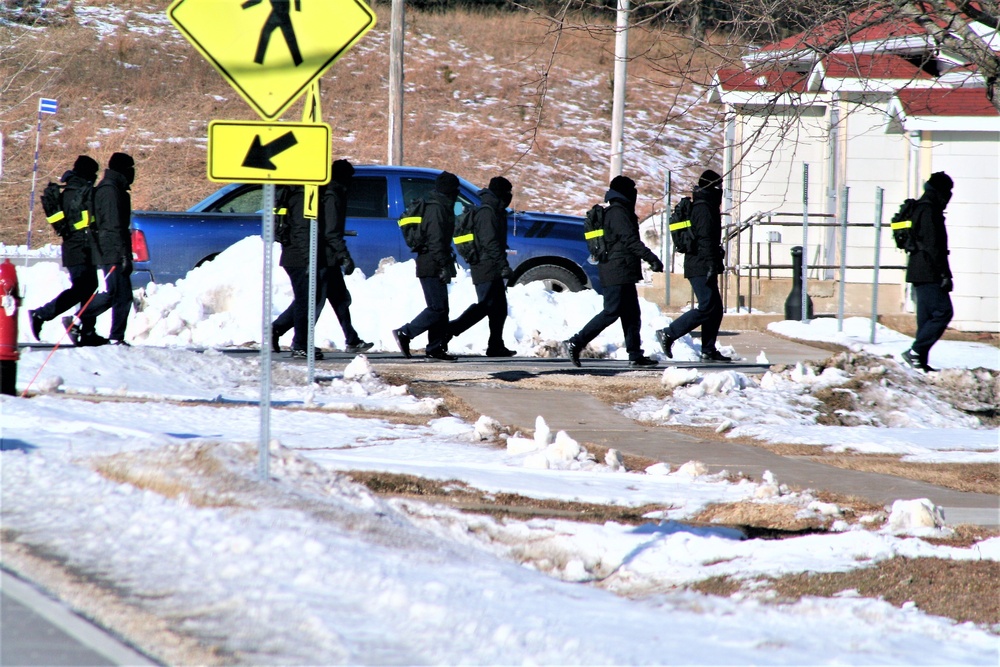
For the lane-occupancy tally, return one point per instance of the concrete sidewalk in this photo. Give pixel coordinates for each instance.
(587, 419)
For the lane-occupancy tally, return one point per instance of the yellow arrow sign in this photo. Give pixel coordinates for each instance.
(245, 151)
(271, 50)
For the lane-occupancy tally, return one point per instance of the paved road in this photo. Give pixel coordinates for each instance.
(37, 630)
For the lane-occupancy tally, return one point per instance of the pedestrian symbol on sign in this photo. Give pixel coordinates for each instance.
(278, 19)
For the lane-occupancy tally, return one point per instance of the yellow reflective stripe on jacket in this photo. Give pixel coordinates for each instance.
(465, 238)
(593, 234)
(902, 224)
(280, 211)
(84, 220)
(410, 221)
(683, 224)
(55, 217)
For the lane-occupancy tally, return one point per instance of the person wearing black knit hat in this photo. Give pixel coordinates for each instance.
(619, 273)
(332, 256)
(72, 222)
(928, 270)
(435, 269)
(490, 269)
(111, 241)
(702, 267)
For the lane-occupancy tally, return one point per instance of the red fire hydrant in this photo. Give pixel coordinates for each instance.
(10, 300)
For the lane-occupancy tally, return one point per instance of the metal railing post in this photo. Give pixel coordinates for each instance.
(805, 241)
(878, 250)
(843, 258)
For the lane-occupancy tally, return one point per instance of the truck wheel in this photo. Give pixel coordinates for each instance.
(556, 278)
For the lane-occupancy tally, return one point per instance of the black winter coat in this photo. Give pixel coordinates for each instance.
(295, 253)
(76, 249)
(929, 262)
(705, 258)
(490, 229)
(626, 250)
(110, 234)
(439, 228)
(333, 210)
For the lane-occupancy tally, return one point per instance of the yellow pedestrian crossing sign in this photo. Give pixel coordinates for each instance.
(248, 151)
(271, 50)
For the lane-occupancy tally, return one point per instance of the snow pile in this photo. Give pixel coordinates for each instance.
(916, 517)
(851, 401)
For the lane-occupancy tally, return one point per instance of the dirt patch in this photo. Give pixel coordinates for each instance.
(959, 590)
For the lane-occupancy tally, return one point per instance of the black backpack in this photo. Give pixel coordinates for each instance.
(902, 226)
(282, 214)
(593, 233)
(680, 226)
(411, 224)
(68, 208)
(465, 234)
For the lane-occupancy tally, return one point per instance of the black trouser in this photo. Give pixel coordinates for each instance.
(334, 289)
(296, 316)
(708, 314)
(934, 312)
(492, 304)
(118, 298)
(620, 302)
(434, 318)
(83, 283)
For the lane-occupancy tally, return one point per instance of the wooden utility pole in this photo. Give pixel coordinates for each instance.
(618, 108)
(396, 84)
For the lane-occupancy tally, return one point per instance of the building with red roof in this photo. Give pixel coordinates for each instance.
(871, 104)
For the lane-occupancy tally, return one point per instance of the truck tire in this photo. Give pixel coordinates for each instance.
(556, 278)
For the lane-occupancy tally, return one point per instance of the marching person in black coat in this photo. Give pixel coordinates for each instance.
(332, 254)
(112, 247)
(490, 270)
(619, 274)
(435, 269)
(927, 269)
(702, 267)
(74, 222)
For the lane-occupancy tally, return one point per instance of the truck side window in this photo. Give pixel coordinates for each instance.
(245, 201)
(368, 197)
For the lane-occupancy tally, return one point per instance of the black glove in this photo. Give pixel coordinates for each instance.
(445, 275)
(947, 285)
(656, 265)
(506, 272)
(126, 265)
(348, 265)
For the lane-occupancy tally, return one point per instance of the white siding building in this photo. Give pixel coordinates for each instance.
(884, 111)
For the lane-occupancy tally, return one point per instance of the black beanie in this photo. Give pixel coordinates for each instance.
(447, 184)
(710, 179)
(342, 171)
(121, 162)
(500, 186)
(940, 181)
(624, 185)
(86, 167)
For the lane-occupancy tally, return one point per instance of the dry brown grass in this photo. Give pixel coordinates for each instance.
(153, 96)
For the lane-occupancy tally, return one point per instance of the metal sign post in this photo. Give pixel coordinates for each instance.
(267, 233)
(843, 258)
(878, 250)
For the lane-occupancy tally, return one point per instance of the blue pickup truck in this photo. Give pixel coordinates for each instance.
(543, 246)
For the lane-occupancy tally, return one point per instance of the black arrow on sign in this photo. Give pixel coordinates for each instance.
(259, 156)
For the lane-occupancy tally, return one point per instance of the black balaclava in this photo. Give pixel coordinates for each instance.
(503, 189)
(124, 165)
(942, 185)
(447, 184)
(342, 171)
(86, 167)
(624, 186)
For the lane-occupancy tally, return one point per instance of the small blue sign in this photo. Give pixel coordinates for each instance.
(45, 105)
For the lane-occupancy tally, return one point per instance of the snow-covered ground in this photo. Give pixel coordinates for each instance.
(155, 488)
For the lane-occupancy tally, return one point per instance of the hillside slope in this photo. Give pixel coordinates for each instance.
(127, 81)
